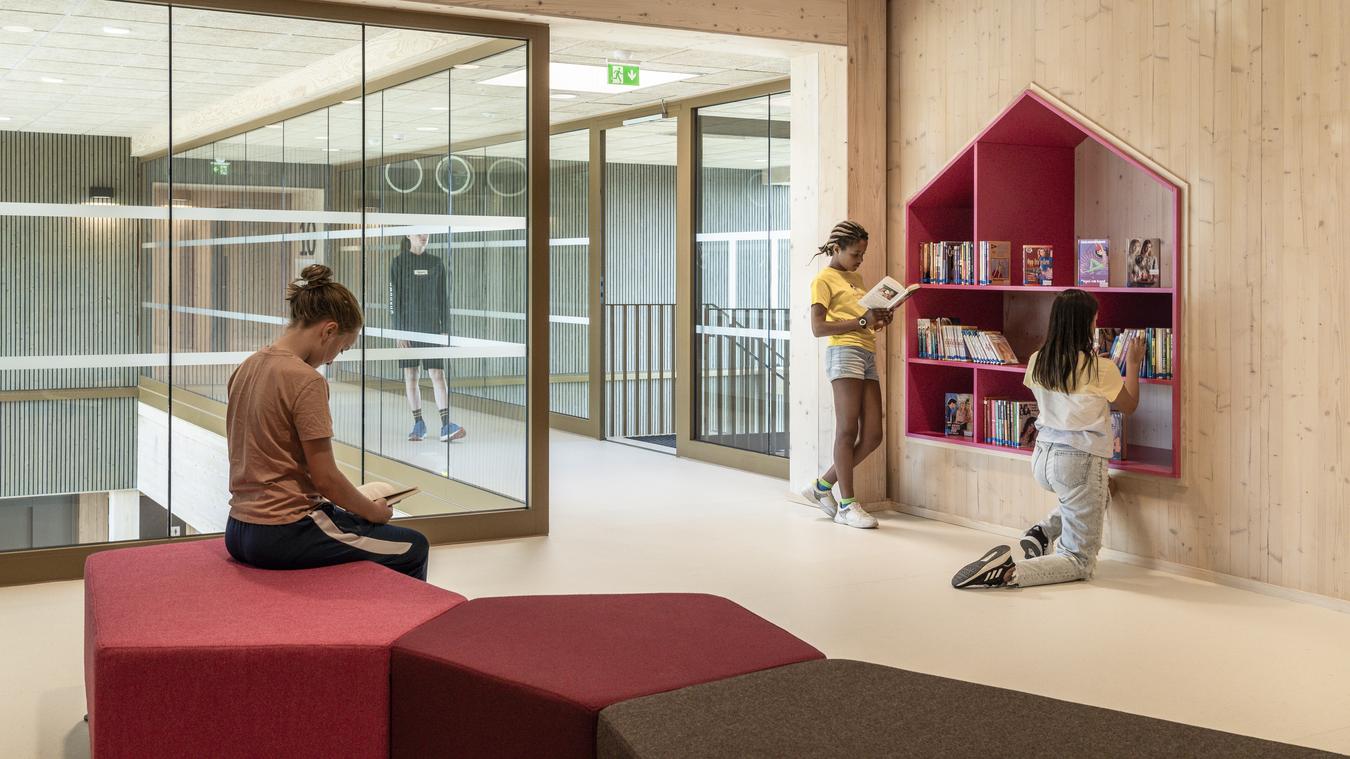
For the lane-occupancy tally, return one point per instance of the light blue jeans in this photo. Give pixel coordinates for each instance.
(1080, 481)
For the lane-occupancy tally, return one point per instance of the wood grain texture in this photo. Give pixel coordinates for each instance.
(800, 20)
(867, 116)
(1248, 101)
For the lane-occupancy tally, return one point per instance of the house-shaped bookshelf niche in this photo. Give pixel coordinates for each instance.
(1040, 176)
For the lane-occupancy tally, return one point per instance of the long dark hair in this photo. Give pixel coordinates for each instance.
(1067, 340)
(844, 234)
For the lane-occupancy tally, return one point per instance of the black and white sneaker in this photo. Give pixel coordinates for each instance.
(989, 571)
(1035, 543)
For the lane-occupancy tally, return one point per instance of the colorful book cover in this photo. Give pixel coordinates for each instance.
(1027, 413)
(1093, 263)
(1144, 262)
(1038, 265)
(959, 415)
(1117, 436)
(1000, 262)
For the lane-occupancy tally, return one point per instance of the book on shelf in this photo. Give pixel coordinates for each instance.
(947, 263)
(1159, 355)
(1118, 446)
(958, 415)
(1010, 423)
(945, 339)
(1038, 265)
(995, 264)
(887, 294)
(391, 494)
(1094, 264)
(1143, 262)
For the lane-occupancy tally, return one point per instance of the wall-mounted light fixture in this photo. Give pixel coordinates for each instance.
(102, 196)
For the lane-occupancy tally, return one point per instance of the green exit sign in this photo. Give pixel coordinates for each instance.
(624, 74)
(220, 168)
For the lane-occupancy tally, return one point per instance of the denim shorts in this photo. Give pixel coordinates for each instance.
(850, 362)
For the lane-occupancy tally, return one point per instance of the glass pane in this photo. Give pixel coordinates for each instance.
(252, 205)
(741, 349)
(446, 274)
(569, 288)
(640, 282)
(82, 443)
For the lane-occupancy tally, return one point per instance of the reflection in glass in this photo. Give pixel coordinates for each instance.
(569, 286)
(741, 349)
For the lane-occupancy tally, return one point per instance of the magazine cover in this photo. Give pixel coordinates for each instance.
(1038, 265)
(1027, 413)
(1093, 263)
(1144, 262)
(1117, 436)
(1000, 263)
(959, 415)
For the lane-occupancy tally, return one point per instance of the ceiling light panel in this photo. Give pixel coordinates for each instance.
(581, 78)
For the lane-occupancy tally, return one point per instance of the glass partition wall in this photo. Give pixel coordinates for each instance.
(158, 193)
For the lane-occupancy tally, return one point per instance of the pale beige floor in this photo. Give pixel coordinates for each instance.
(627, 520)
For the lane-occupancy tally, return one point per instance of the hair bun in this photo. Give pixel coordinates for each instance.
(316, 275)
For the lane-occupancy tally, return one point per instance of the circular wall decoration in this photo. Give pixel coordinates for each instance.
(757, 188)
(501, 170)
(389, 181)
(447, 167)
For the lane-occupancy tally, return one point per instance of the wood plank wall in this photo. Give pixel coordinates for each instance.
(1249, 102)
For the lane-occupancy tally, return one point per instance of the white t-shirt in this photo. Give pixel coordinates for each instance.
(1082, 418)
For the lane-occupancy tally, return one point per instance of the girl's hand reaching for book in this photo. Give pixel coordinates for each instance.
(1134, 354)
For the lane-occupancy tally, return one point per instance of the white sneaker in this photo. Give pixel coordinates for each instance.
(821, 500)
(856, 516)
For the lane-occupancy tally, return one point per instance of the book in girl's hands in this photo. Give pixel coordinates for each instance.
(391, 494)
(958, 415)
(1038, 265)
(1093, 263)
(887, 294)
(1143, 262)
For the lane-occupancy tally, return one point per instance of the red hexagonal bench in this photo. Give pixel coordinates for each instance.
(188, 653)
(528, 676)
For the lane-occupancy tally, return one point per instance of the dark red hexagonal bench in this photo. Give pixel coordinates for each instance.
(528, 676)
(188, 653)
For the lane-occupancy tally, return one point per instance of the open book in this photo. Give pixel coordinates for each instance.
(887, 294)
(391, 494)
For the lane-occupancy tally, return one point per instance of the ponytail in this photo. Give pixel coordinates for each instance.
(844, 234)
(316, 297)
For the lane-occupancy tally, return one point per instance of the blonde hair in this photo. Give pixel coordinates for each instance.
(315, 297)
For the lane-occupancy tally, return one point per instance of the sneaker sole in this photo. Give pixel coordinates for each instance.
(969, 572)
(811, 500)
(1031, 548)
(452, 438)
(869, 526)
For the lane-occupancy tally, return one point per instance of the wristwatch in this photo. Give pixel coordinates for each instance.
(862, 321)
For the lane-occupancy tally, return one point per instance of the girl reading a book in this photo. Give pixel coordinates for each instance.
(851, 365)
(1074, 390)
(290, 505)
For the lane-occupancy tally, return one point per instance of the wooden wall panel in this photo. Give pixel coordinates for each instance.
(1249, 102)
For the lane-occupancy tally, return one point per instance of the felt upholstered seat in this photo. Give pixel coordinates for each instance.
(188, 653)
(526, 677)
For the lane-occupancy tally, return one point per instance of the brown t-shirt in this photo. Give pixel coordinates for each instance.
(276, 401)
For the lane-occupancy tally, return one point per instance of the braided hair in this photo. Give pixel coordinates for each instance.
(844, 234)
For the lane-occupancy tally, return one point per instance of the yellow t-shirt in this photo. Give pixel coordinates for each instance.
(839, 292)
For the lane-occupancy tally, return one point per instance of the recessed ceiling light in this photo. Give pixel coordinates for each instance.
(52, 80)
(320, 137)
(351, 102)
(272, 126)
(440, 108)
(563, 96)
(426, 129)
(4, 118)
(116, 30)
(330, 150)
(467, 66)
(18, 29)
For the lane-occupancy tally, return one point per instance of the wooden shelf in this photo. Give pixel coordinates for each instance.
(1037, 176)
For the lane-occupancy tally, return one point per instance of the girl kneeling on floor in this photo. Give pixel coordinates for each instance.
(1074, 389)
(290, 506)
(851, 366)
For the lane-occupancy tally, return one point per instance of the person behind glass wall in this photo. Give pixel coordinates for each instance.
(290, 505)
(418, 288)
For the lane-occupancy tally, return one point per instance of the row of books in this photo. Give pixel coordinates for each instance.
(948, 263)
(1010, 423)
(990, 263)
(1113, 343)
(946, 340)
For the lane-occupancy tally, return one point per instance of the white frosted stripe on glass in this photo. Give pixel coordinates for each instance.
(441, 222)
(777, 234)
(459, 348)
(774, 334)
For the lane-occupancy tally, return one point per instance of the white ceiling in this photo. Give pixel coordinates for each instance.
(225, 64)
